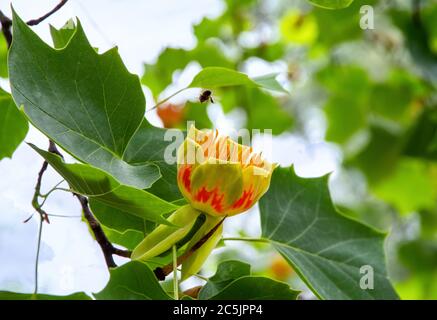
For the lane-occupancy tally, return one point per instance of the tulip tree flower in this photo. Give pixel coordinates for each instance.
(219, 178)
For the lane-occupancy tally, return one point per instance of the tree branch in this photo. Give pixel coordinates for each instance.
(6, 22)
(102, 240)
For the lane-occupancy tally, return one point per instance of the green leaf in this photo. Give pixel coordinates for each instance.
(116, 219)
(339, 26)
(264, 112)
(379, 157)
(422, 139)
(325, 248)
(232, 281)
(331, 4)
(409, 188)
(216, 77)
(132, 281)
(420, 255)
(87, 103)
(128, 239)
(227, 272)
(416, 41)
(269, 81)
(256, 288)
(148, 145)
(159, 75)
(3, 58)
(63, 35)
(346, 110)
(7, 295)
(197, 112)
(13, 126)
(100, 186)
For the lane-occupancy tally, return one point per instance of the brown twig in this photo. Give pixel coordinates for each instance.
(48, 14)
(6, 22)
(107, 248)
(162, 272)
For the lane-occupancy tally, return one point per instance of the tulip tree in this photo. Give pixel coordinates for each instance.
(163, 216)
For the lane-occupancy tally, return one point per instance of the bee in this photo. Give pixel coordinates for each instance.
(205, 96)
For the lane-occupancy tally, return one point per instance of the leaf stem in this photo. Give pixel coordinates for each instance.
(45, 195)
(175, 274)
(166, 99)
(41, 220)
(246, 239)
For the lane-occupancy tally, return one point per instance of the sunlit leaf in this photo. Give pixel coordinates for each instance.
(100, 186)
(232, 281)
(13, 126)
(132, 281)
(89, 104)
(325, 248)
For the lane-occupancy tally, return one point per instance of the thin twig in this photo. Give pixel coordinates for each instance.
(6, 22)
(48, 14)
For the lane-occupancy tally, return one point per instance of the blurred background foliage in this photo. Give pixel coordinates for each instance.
(377, 91)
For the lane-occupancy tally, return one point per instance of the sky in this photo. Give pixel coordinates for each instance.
(70, 259)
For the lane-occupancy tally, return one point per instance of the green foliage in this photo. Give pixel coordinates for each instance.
(384, 122)
(159, 75)
(227, 272)
(422, 140)
(3, 58)
(132, 281)
(63, 35)
(87, 103)
(233, 281)
(98, 185)
(217, 77)
(409, 188)
(325, 248)
(13, 126)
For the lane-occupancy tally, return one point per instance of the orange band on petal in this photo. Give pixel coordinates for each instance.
(185, 176)
(245, 200)
(216, 199)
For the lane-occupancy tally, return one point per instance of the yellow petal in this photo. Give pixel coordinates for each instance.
(256, 182)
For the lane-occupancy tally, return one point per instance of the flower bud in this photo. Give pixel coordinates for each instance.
(219, 176)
